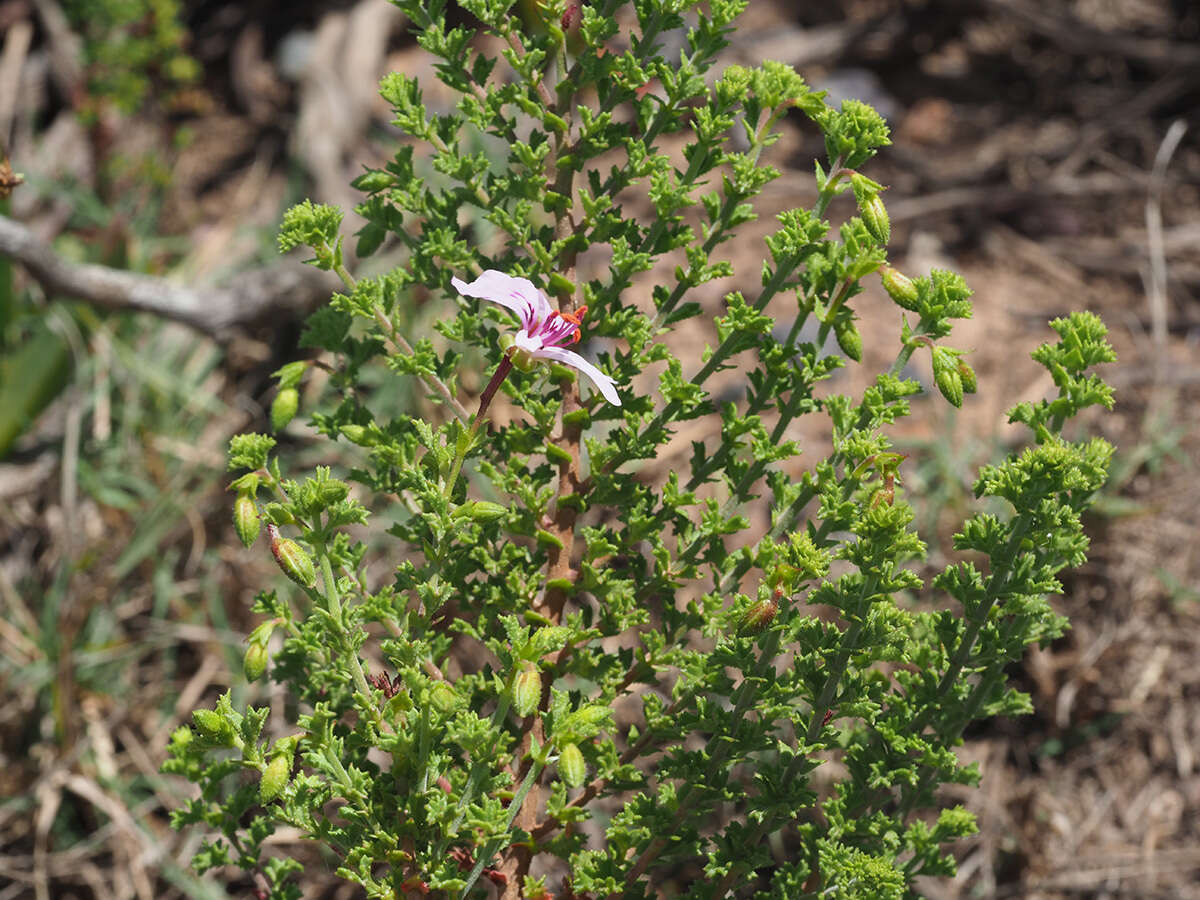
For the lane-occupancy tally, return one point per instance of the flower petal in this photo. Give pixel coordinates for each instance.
(606, 385)
(518, 294)
(527, 342)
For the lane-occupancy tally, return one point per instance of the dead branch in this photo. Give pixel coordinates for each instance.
(284, 289)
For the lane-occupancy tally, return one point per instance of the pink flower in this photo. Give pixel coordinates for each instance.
(545, 331)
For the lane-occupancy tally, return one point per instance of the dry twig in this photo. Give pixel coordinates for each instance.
(283, 289)
(1156, 287)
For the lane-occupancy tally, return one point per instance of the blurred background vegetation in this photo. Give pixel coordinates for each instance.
(1050, 152)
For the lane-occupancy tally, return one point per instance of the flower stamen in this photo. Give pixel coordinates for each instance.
(575, 318)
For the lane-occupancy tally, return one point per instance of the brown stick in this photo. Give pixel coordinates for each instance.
(284, 289)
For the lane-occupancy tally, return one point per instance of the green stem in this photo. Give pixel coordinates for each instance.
(825, 197)
(343, 273)
(423, 737)
(493, 846)
(334, 601)
(477, 767)
(466, 441)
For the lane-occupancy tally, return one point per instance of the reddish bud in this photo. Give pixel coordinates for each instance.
(760, 613)
(296, 564)
(571, 16)
(967, 374)
(900, 288)
(496, 877)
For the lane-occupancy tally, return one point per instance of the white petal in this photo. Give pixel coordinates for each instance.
(518, 294)
(523, 341)
(606, 385)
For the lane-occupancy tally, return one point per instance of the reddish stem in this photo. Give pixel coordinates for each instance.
(498, 377)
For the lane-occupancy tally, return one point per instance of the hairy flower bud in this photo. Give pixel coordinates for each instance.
(760, 614)
(275, 776)
(296, 564)
(900, 288)
(213, 727)
(967, 374)
(284, 407)
(245, 519)
(571, 766)
(254, 663)
(444, 698)
(357, 434)
(481, 511)
(946, 376)
(848, 339)
(376, 180)
(875, 217)
(527, 690)
(870, 207)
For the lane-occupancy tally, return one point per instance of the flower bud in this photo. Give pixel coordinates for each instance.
(571, 766)
(527, 690)
(275, 776)
(875, 217)
(375, 180)
(296, 564)
(213, 727)
(355, 434)
(444, 698)
(284, 407)
(760, 614)
(870, 207)
(254, 663)
(245, 519)
(848, 339)
(945, 375)
(967, 374)
(278, 514)
(900, 288)
(481, 511)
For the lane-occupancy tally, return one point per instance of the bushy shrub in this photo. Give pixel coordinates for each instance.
(579, 680)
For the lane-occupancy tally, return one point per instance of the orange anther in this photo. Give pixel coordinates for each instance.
(575, 318)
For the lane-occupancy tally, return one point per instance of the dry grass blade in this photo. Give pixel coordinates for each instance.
(1156, 289)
